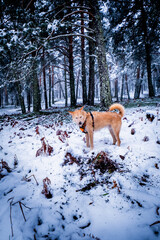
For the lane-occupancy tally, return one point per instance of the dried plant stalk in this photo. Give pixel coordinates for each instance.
(33, 177)
(11, 218)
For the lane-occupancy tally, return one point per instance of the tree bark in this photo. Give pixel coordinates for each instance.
(105, 89)
(71, 71)
(36, 91)
(49, 100)
(147, 50)
(126, 80)
(83, 62)
(65, 82)
(122, 87)
(77, 84)
(116, 89)
(138, 84)
(52, 85)
(91, 91)
(28, 99)
(6, 96)
(1, 97)
(44, 80)
(21, 98)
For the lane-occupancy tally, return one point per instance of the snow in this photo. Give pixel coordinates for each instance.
(103, 212)
(10, 110)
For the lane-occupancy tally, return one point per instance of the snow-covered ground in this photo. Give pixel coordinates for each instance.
(83, 202)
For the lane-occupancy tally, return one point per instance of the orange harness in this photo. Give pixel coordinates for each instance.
(84, 124)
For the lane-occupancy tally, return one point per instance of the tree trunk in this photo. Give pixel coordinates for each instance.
(28, 100)
(105, 89)
(77, 86)
(126, 80)
(52, 85)
(148, 59)
(28, 91)
(36, 91)
(122, 87)
(138, 84)
(65, 82)
(91, 91)
(6, 96)
(147, 49)
(44, 80)
(116, 89)
(83, 62)
(21, 98)
(71, 71)
(49, 100)
(1, 97)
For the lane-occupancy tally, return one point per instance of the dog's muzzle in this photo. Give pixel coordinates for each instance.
(80, 124)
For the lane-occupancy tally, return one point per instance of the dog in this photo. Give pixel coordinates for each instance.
(89, 122)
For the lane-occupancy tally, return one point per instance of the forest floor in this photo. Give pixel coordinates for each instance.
(52, 187)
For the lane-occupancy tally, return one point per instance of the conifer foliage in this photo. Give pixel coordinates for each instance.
(52, 50)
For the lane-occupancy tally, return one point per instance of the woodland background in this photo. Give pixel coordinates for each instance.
(88, 49)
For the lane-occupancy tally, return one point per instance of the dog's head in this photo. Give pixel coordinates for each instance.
(79, 116)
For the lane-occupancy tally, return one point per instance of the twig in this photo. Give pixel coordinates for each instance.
(154, 223)
(157, 210)
(20, 204)
(78, 11)
(73, 34)
(34, 178)
(25, 206)
(11, 215)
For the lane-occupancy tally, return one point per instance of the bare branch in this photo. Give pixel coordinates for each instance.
(79, 25)
(78, 11)
(82, 7)
(28, 5)
(73, 34)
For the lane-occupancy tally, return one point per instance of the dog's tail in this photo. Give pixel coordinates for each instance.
(119, 107)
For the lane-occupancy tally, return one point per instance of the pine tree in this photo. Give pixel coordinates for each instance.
(105, 89)
(136, 24)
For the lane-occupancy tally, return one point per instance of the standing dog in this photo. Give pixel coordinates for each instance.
(93, 121)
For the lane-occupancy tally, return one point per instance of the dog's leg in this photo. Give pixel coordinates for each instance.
(87, 139)
(112, 134)
(116, 132)
(91, 138)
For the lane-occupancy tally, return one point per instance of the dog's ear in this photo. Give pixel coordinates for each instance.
(70, 112)
(81, 108)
